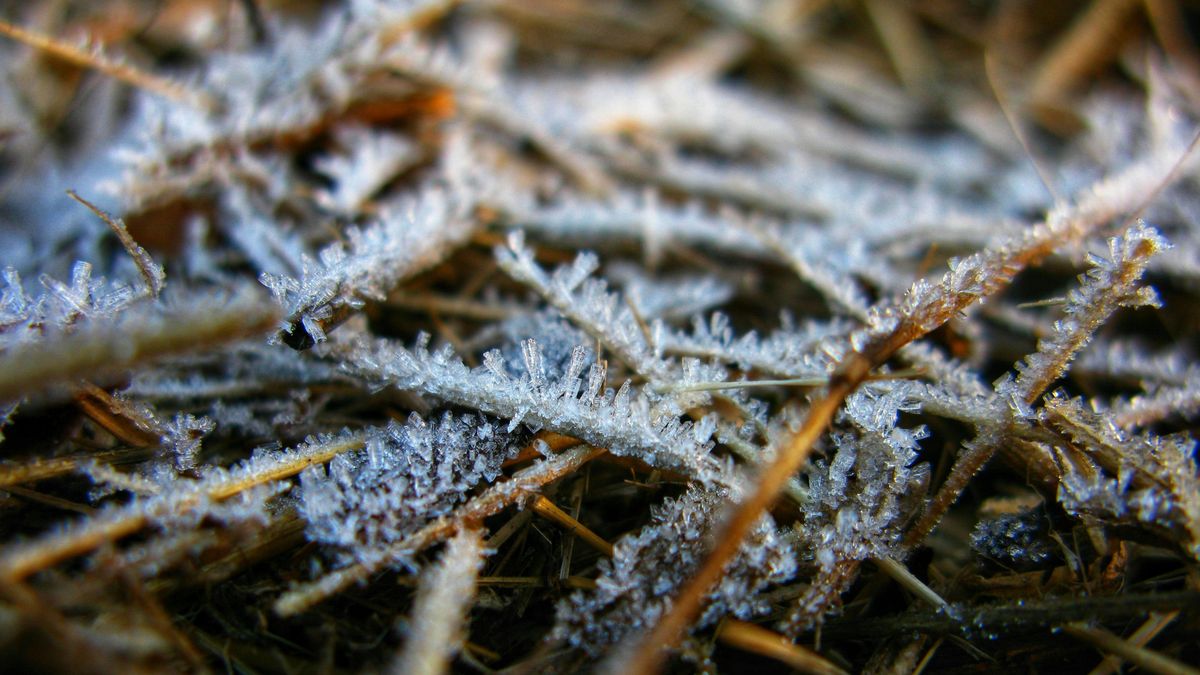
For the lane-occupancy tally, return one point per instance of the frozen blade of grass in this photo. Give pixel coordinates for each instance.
(152, 272)
(407, 238)
(333, 115)
(1109, 285)
(1159, 404)
(491, 501)
(20, 560)
(925, 308)
(121, 71)
(437, 626)
(104, 348)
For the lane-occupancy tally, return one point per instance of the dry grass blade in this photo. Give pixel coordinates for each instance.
(761, 641)
(120, 71)
(105, 348)
(1091, 41)
(1153, 625)
(1140, 656)
(152, 273)
(765, 260)
(31, 471)
(437, 627)
(652, 650)
(900, 574)
(550, 511)
(20, 561)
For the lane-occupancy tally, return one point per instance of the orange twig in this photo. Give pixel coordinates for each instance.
(759, 640)
(550, 511)
(119, 71)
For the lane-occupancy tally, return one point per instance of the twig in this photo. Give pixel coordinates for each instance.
(1153, 625)
(548, 510)
(119, 71)
(759, 640)
(1139, 656)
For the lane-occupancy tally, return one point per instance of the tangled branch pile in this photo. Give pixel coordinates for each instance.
(847, 335)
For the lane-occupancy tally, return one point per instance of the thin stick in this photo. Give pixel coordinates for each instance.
(900, 574)
(1153, 625)
(119, 71)
(550, 511)
(152, 272)
(1139, 656)
(759, 640)
(20, 561)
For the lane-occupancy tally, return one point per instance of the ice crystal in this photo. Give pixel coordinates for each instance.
(610, 267)
(635, 586)
(405, 475)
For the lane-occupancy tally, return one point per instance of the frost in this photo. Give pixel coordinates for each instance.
(634, 587)
(641, 261)
(407, 237)
(405, 475)
(575, 401)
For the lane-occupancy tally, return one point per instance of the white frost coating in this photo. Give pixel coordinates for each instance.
(436, 630)
(647, 568)
(575, 401)
(406, 475)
